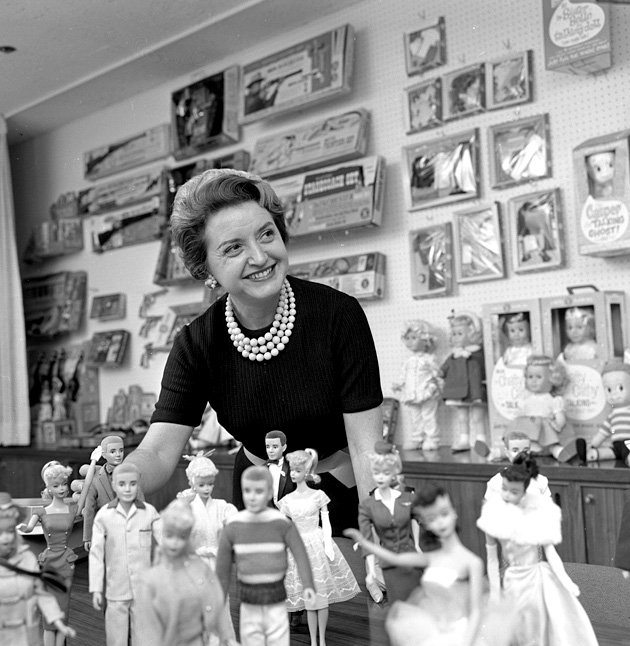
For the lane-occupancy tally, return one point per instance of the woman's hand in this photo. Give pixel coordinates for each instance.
(355, 535)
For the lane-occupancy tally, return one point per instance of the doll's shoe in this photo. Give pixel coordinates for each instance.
(430, 445)
(621, 450)
(495, 455)
(568, 451)
(461, 445)
(481, 448)
(580, 447)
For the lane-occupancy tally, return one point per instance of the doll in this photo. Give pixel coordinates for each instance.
(21, 594)
(516, 329)
(180, 601)
(419, 385)
(388, 514)
(600, 168)
(534, 232)
(541, 412)
(333, 578)
(448, 608)
(580, 330)
(57, 520)
(528, 525)
(609, 442)
(276, 446)
(464, 377)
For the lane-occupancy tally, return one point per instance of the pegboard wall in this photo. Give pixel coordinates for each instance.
(579, 108)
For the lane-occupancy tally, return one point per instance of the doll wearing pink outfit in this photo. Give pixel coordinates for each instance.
(419, 386)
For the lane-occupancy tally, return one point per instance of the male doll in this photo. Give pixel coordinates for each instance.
(516, 442)
(256, 539)
(276, 445)
(120, 553)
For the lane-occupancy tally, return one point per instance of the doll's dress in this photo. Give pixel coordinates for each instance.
(585, 351)
(547, 613)
(517, 355)
(538, 410)
(57, 555)
(436, 614)
(418, 374)
(334, 581)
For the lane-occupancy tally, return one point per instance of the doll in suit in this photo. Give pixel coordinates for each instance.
(276, 445)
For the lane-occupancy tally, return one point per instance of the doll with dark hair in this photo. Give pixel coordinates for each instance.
(528, 526)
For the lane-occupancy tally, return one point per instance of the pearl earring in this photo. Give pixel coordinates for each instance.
(211, 282)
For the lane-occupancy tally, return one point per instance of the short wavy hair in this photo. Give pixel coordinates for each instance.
(204, 195)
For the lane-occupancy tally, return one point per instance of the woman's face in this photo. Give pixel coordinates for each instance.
(246, 253)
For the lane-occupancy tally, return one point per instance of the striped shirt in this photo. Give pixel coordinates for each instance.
(257, 543)
(617, 423)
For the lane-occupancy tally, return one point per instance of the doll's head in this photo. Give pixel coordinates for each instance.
(177, 524)
(201, 474)
(516, 329)
(10, 517)
(126, 483)
(55, 477)
(303, 464)
(418, 336)
(465, 329)
(516, 442)
(579, 324)
(544, 374)
(257, 488)
(275, 444)
(437, 515)
(385, 464)
(113, 450)
(601, 172)
(616, 381)
(516, 478)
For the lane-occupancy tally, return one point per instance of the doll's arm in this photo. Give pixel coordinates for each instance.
(475, 580)
(30, 526)
(557, 567)
(404, 559)
(327, 530)
(494, 576)
(559, 419)
(415, 533)
(225, 556)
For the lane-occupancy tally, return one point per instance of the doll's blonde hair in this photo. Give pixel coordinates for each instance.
(308, 459)
(557, 373)
(178, 515)
(582, 315)
(201, 466)
(52, 471)
(424, 332)
(385, 456)
(470, 321)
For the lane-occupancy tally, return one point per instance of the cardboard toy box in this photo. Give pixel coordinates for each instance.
(577, 36)
(361, 276)
(505, 366)
(585, 400)
(602, 187)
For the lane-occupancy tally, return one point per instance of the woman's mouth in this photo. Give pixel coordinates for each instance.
(261, 275)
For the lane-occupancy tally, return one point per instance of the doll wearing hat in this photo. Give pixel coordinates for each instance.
(21, 595)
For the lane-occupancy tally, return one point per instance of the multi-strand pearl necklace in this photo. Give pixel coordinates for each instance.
(269, 345)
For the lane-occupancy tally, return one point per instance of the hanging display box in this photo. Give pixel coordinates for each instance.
(505, 363)
(602, 186)
(335, 139)
(128, 153)
(123, 192)
(108, 348)
(361, 276)
(204, 115)
(315, 70)
(54, 238)
(577, 36)
(603, 317)
(334, 198)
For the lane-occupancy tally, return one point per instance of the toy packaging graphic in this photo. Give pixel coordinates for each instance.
(602, 187)
(361, 276)
(577, 36)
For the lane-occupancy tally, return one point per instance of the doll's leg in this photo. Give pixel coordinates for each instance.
(477, 424)
(461, 420)
(566, 452)
(117, 622)
(413, 431)
(428, 412)
(311, 618)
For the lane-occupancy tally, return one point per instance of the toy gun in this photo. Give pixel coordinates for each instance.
(95, 162)
(103, 238)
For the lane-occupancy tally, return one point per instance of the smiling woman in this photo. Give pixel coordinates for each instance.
(274, 353)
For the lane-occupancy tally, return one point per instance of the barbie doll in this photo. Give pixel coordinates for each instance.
(388, 514)
(541, 412)
(419, 386)
(580, 330)
(57, 520)
(448, 608)
(516, 329)
(333, 578)
(464, 377)
(528, 525)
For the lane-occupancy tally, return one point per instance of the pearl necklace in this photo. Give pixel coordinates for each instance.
(269, 345)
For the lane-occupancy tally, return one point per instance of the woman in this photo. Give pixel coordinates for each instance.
(317, 376)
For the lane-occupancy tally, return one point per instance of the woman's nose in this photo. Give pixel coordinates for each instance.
(257, 254)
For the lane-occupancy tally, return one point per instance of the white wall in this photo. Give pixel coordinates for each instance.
(579, 108)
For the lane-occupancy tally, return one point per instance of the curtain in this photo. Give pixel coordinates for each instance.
(15, 419)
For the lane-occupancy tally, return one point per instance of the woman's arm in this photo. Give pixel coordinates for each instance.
(404, 559)
(362, 431)
(158, 454)
(557, 567)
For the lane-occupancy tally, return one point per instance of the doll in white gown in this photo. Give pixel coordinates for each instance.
(528, 525)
